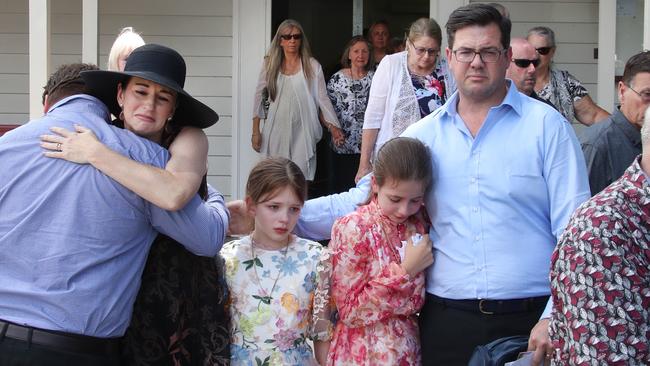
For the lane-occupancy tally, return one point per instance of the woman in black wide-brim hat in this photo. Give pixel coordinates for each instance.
(179, 316)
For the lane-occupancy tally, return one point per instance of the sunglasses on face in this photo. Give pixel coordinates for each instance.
(287, 37)
(544, 50)
(523, 63)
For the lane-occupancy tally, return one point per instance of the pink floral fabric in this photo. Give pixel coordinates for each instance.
(376, 299)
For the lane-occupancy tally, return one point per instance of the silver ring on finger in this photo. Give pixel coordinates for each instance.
(58, 147)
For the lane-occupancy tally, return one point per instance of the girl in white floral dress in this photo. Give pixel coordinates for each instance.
(273, 276)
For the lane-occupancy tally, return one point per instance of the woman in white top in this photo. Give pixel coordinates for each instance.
(293, 82)
(406, 87)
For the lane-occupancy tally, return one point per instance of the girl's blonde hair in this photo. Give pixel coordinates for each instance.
(272, 175)
(275, 57)
(127, 40)
(403, 159)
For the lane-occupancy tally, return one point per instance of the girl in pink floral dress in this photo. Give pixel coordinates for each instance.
(377, 281)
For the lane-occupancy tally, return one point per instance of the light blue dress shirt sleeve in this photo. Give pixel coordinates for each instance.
(318, 214)
(566, 175)
(199, 226)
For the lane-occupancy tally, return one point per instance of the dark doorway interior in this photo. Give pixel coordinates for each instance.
(328, 26)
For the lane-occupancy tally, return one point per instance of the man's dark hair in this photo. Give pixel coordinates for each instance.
(66, 81)
(481, 15)
(636, 64)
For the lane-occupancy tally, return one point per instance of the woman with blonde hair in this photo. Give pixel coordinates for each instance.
(406, 87)
(124, 44)
(293, 82)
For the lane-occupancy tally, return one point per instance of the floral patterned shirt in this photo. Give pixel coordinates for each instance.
(350, 99)
(562, 90)
(430, 91)
(376, 299)
(272, 294)
(600, 278)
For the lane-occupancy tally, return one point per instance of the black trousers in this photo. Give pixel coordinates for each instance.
(342, 171)
(449, 335)
(15, 352)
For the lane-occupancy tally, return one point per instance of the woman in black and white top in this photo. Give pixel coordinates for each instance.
(348, 90)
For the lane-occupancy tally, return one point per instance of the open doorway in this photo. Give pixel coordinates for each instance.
(329, 25)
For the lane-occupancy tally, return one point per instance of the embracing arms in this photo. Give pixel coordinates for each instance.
(170, 188)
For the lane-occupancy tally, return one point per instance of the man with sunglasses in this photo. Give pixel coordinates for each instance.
(522, 68)
(611, 145)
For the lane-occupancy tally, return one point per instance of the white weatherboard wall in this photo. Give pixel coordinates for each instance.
(14, 62)
(200, 30)
(575, 24)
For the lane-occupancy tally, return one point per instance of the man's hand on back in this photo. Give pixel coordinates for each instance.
(241, 222)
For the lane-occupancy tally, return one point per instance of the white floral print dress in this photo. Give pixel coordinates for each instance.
(272, 323)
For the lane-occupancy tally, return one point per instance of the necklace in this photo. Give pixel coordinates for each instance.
(255, 262)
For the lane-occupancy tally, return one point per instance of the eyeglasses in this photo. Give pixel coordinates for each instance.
(287, 37)
(488, 55)
(524, 63)
(544, 50)
(420, 51)
(645, 95)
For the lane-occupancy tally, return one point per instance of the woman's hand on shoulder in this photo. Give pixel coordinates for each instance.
(77, 146)
(362, 171)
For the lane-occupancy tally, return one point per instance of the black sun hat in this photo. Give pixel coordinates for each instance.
(159, 64)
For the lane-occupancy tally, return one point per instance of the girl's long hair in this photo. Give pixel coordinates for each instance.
(275, 57)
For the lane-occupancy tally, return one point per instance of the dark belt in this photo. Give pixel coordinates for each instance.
(490, 307)
(59, 340)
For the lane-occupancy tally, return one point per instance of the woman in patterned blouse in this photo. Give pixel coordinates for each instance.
(348, 90)
(559, 87)
(406, 87)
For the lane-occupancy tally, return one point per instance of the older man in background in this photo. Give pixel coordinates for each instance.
(612, 144)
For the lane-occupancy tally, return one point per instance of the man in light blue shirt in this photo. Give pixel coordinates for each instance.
(73, 242)
(509, 172)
